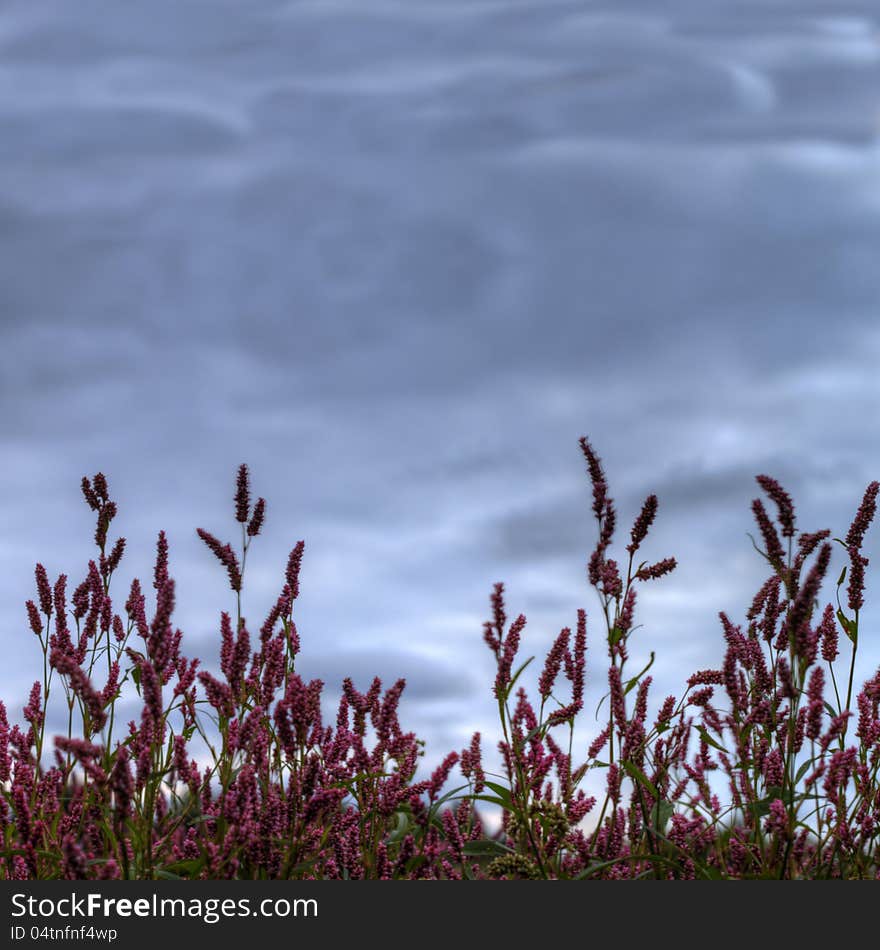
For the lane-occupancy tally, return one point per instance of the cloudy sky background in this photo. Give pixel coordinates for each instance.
(399, 256)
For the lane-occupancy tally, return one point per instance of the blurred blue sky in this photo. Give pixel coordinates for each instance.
(399, 256)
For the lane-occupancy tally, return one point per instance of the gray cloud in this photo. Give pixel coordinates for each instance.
(399, 257)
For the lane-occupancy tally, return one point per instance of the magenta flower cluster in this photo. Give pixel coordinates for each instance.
(766, 765)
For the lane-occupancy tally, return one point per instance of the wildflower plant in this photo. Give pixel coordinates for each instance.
(765, 766)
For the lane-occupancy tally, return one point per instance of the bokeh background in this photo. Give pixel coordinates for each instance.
(398, 257)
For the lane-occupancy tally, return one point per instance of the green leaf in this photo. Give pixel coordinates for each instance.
(492, 800)
(850, 627)
(704, 735)
(634, 681)
(502, 792)
(802, 771)
(636, 773)
(843, 572)
(445, 798)
(660, 815)
(517, 675)
(485, 847)
(181, 869)
(401, 827)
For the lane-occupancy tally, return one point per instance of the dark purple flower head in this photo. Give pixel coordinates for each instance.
(777, 822)
(135, 608)
(90, 495)
(255, 525)
(108, 694)
(654, 571)
(761, 598)
(706, 678)
(828, 633)
(610, 579)
(701, 696)
(499, 616)
(219, 694)
(609, 525)
(242, 494)
(239, 657)
(643, 523)
(864, 517)
(225, 555)
(627, 612)
(772, 544)
(105, 516)
(618, 702)
(856, 587)
(802, 608)
(665, 713)
(160, 643)
(115, 557)
(815, 703)
(440, 775)
(783, 503)
(160, 570)
(74, 866)
(34, 618)
(81, 599)
(472, 764)
(100, 485)
(594, 567)
(88, 754)
(33, 712)
(118, 628)
(294, 562)
(807, 543)
(577, 665)
(597, 477)
(5, 757)
(59, 597)
(553, 663)
(298, 714)
(227, 643)
(43, 590)
(281, 608)
(508, 653)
